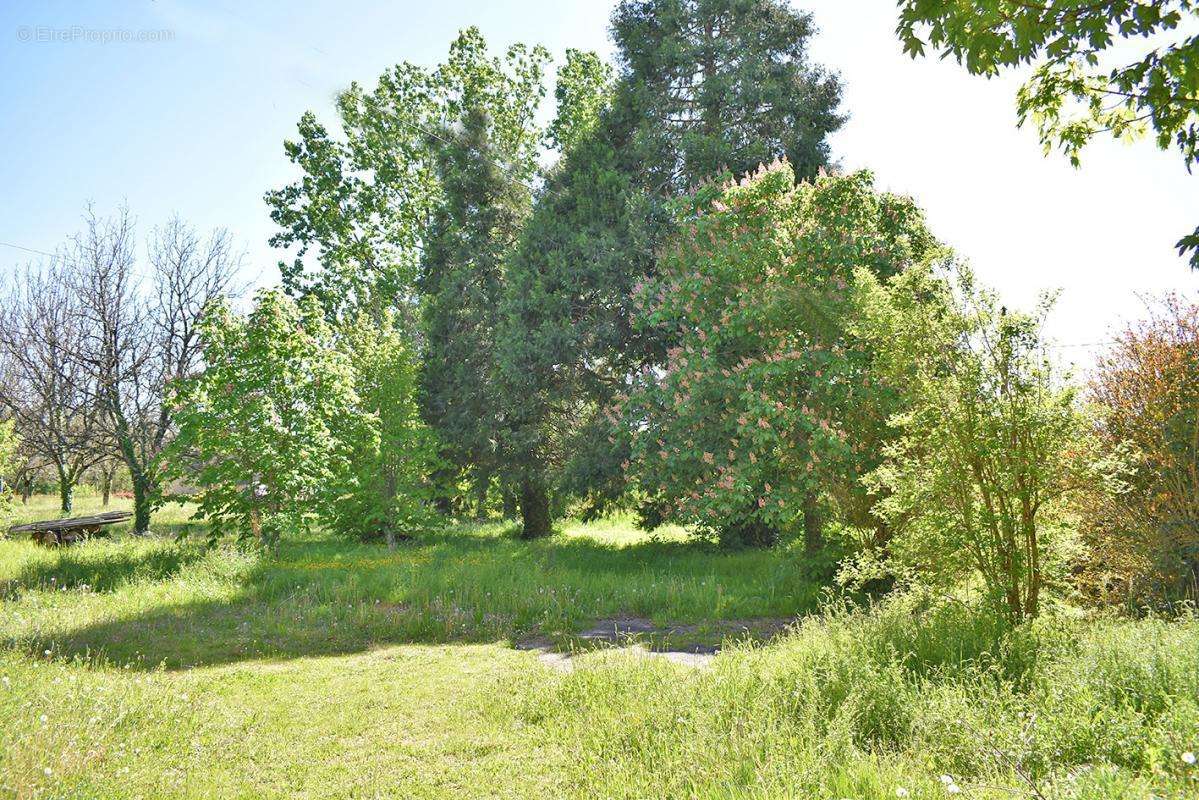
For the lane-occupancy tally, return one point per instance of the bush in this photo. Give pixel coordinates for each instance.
(991, 443)
(1144, 541)
(384, 492)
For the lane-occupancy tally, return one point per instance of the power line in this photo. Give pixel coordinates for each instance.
(28, 249)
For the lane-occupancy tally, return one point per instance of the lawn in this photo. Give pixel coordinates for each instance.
(155, 669)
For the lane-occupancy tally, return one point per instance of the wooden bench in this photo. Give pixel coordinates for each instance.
(68, 531)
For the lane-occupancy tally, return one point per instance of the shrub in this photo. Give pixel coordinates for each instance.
(990, 444)
(1144, 541)
(384, 490)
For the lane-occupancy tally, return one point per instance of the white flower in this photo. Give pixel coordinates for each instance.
(47, 652)
(952, 788)
(43, 718)
(48, 771)
(900, 791)
(946, 779)
(1188, 757)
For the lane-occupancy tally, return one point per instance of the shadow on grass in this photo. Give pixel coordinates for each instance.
(105, 572)
(321, 597)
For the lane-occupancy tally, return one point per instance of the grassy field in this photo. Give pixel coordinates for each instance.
(146, 668)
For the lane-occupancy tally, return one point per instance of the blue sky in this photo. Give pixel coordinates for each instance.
(193, 122)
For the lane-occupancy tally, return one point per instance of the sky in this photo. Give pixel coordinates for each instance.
(176, 107)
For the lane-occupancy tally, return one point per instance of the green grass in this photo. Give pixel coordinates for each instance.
(149, 668)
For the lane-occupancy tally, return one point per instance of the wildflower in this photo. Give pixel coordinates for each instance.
(946, 779)
(48, 772)
(952, 788)
(900, 791)
(44, 719)
(1188, 757)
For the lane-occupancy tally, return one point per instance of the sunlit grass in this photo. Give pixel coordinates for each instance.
(149, 667)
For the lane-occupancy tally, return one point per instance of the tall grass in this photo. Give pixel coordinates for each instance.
(155, 668)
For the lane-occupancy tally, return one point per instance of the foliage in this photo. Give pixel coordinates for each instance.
(991, 442)
(766, 397)
(703, 87)
(365, 197)
(582, 91)
(723, 86)
(1081, 86)
(262, 429)
(9, 442)
(383, 490)
(1145, 539)
(462, 281)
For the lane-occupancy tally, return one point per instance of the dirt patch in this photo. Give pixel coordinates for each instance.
(693, 645)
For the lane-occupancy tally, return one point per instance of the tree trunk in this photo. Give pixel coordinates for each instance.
(534, 509)
(106, 488)
(390, 488)
(66, 494)
(141, 504)
(813, 527)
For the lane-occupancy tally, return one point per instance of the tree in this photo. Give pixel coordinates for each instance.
(703, 87)
(461, 284)
(263, 428)
(582, 92)
(723, 86)
(485, 158)
(137, 341)
(9, 441)
(362, 204)
(1083, 85)
(1144, 540)
(754, 417)
(48, 390)
(991, 445)
(384, 490)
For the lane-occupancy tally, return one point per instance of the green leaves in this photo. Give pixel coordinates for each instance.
(357, 216)
(262, 427)
(765, 397)
(990, 443)
(1076, 91)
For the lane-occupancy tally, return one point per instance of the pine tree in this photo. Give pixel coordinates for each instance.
(461, 284)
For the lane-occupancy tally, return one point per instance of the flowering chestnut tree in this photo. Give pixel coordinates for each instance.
(765, 405)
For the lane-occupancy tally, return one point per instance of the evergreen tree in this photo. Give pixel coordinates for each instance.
(705, 86)
(470, 235)
(723, 86)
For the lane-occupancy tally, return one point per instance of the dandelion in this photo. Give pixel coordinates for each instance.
(1188, 758)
